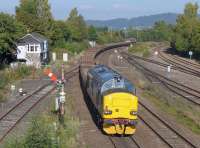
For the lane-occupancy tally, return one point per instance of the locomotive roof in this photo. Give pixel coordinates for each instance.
(104, 74)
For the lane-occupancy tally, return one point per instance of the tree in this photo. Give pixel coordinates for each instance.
(10, 31)
(60, 34)
(163, 30)
(36, 15)
(92, 33)
(77, 26)
(186, 32)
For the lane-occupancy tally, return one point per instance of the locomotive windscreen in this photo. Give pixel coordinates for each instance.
(108, 79)
(115, 84)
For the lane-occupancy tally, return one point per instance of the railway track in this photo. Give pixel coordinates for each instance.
(135, 142)
(169, 134)
(181, 69)
(18, 111)
(195, 65)
(117, 144)
(186, 92)
(183, 65)
(162, 129)
(131, 141)
(160, 126)
(90, 59)
(126, 142)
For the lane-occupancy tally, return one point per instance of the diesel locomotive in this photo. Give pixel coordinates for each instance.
(114, 97)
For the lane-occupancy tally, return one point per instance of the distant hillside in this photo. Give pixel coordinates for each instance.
(140, 22)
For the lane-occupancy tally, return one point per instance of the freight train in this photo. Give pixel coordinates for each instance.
(114, 97)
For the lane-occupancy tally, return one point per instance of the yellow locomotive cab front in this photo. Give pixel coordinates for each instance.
(120, 113)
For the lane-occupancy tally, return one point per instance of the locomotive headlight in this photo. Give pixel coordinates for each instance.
(107, 111)
(133, 112)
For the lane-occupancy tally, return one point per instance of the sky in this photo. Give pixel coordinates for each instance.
(106, 9)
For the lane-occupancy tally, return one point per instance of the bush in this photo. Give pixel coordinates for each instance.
(146, 53)
(43, 133)
(9, 75)
(23, 71)
(3, 80)
(105, 37)
(75, 47)
(142, 48)
(71, 48)
(39, 135)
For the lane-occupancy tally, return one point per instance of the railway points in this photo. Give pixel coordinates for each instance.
(184, 65)
(183, 90)
(174, 86)
(164, 64)
(177, 58)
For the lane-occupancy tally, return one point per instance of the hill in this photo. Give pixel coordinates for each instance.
(139, 22)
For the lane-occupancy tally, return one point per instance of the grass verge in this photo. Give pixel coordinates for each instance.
(46, 131)
(183, 113)
(9, 75)
(142, 48)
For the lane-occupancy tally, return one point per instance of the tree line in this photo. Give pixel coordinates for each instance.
(184, 36)
(35, 16)
(73, 33)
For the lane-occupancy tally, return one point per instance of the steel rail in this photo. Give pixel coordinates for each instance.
(171, 128)
(163, 121)
(167, 125)
(181, 69)
(28, 98)
(167, 82)
(185, 61)
(185, 67)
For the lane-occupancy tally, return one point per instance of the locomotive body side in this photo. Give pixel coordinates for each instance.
(114, 98)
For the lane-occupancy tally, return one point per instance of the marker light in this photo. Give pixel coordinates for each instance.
(133, 112)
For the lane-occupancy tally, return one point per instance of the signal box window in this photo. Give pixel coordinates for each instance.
(32, 48)
(36, 48)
